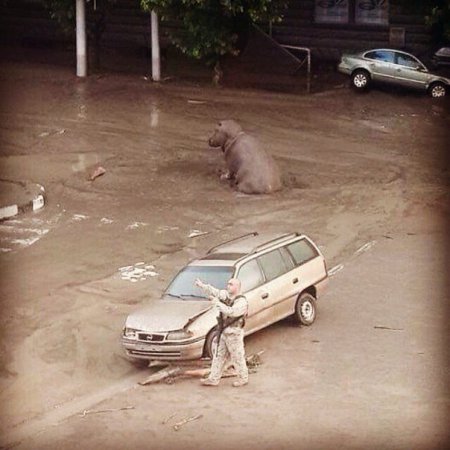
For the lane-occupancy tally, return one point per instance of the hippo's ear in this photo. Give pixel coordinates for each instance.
(219, 124)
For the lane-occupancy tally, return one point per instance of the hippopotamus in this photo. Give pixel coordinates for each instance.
(250, 168)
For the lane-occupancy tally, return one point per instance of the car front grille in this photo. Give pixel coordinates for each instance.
(147, 337)
(159, 354)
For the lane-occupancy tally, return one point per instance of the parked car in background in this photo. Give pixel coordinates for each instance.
(281, 275)
(441, 58)
(394, 67)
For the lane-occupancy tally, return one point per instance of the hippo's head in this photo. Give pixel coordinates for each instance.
(225, 131)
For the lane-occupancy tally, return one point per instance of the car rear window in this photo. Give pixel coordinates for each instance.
(272, 264)
(250, 276)
(381, 55)
(302, 251)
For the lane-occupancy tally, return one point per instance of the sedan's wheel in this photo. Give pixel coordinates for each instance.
(361, 79)
(437, 90)
(305, 309)
(211, 343)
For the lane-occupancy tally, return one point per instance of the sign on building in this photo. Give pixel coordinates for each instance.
(331, 11)
(373, 12)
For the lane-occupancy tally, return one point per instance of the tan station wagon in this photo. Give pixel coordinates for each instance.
(281, 275)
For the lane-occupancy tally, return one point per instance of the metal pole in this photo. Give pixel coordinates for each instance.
(156, 61)
(81, 38)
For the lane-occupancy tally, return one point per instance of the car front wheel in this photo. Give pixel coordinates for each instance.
(211, 343)
(305, 309)
(360, 80)
(437, 90)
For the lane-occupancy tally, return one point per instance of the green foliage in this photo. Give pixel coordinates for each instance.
(436, 14)
(63, 11)
(213, 28)
(438, 19)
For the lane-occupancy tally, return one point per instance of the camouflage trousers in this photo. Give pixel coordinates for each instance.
(230, 352)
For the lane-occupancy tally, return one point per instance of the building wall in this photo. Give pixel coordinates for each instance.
(125, 25)
(303, 26)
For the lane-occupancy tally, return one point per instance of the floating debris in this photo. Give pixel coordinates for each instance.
(179, 424)
(97, 172)
(137, 272)
(196, 233)
(366, 247)
(166, 228)
(334, 270)
(168, 418)
(380, 327)
(79, 217)
(49, 133)
(106, 220)
(98, 411)
(136, 225)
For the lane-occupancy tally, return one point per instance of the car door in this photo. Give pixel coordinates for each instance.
(252, 286)
(276, 294)
(410, 72)
(381, 65)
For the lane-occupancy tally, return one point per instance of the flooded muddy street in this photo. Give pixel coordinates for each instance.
(360, 171)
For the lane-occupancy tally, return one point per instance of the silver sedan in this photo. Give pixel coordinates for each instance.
(394, 67)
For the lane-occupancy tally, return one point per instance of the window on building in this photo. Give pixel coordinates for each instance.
(360, 12)
(332, 11)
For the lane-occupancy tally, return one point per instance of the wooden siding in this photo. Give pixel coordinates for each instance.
(328, 41)
(125, 25)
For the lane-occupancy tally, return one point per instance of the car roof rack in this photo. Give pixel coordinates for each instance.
(277, 240)
(254, 233)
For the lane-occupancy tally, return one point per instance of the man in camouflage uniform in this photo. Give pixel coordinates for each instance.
(232, 308)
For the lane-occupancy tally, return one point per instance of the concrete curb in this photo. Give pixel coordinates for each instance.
(32, 199)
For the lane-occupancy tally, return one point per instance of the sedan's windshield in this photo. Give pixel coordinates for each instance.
(183, 285)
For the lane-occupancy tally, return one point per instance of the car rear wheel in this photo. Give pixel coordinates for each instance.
(211, 343)
(360, 80)
(305, 309)
(437, 90)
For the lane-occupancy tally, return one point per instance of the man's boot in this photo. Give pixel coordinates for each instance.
(209, 382)
(240, 383)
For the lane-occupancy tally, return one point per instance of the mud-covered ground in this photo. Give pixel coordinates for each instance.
(366, 176)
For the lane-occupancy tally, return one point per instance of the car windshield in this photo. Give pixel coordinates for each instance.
(183, 285)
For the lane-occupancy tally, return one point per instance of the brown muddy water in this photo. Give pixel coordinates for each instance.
(358, 169)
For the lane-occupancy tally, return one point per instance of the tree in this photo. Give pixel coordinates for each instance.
(437, 16)
(438, 19)
(63, 11)
(211, 29)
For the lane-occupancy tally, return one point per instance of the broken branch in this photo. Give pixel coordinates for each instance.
(161, 375)
(98, 411)
(179, 424)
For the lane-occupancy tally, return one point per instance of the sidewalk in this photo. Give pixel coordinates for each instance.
(19, 197)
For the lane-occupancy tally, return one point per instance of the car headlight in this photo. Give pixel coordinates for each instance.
(130, 333)
(178, 335)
